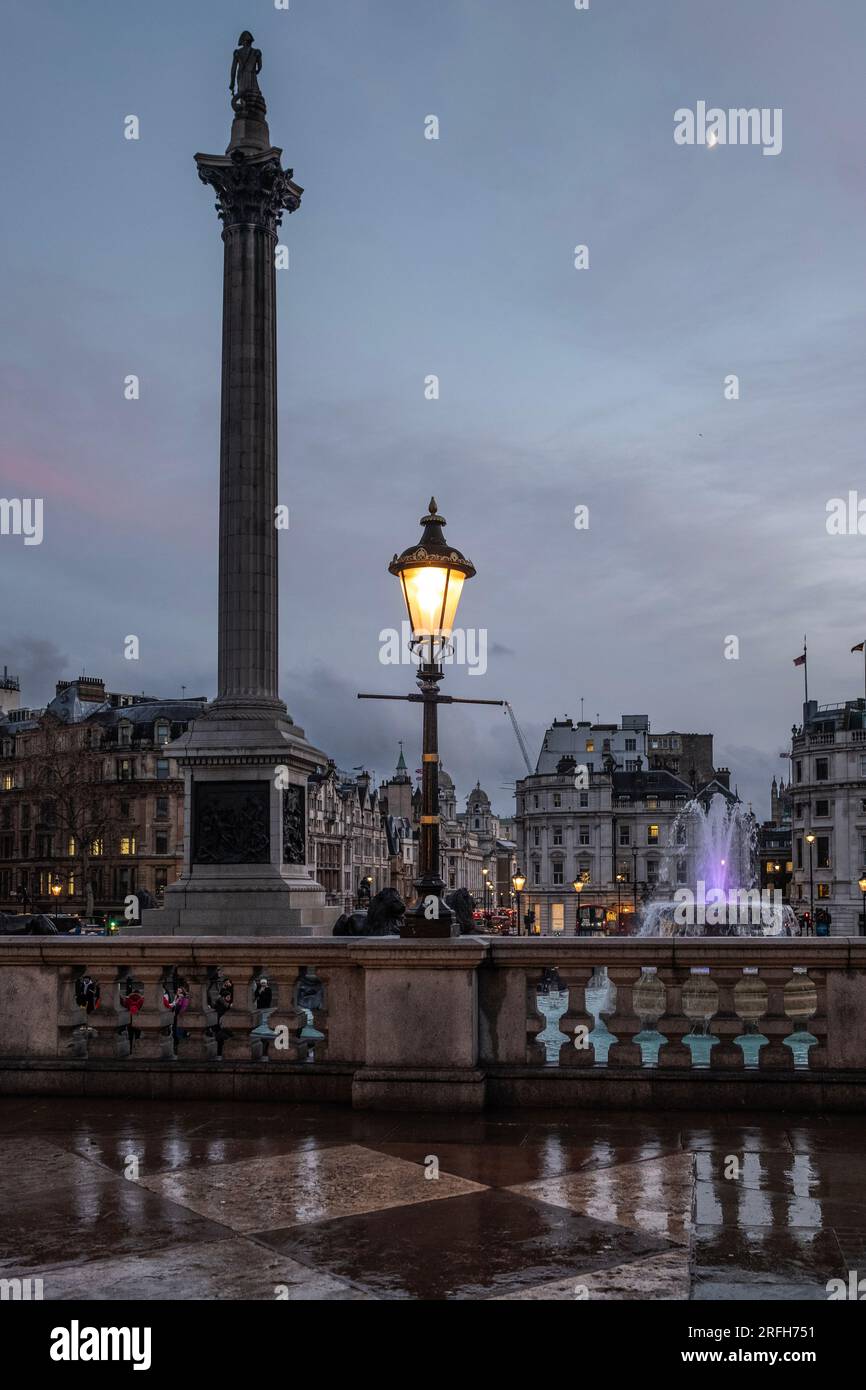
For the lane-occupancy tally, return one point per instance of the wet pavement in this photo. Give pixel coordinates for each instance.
(117, 1200)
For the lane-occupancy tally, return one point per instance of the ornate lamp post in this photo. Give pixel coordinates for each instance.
(578, 888)
(518, 883)
(862, 884)
(810, 840)
(432, 574)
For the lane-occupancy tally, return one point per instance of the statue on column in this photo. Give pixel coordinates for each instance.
(246, 66)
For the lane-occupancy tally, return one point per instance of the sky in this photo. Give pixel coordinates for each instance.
(410, 257)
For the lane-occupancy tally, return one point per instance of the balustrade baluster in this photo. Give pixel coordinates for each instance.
(576, 1023)
(624, 1023)
(776, 1025)
(673, 1023)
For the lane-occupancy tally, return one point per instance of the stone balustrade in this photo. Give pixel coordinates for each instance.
(450, 1024)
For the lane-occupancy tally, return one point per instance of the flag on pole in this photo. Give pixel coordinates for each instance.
(800, 660)
(861, 646)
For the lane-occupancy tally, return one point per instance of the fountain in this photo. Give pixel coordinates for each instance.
(718, 842)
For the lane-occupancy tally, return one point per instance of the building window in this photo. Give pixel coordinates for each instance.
(535, 799)
(652, 803)
(536, 835)
(557, 834)
(557, 918)
(583, 835)
(590, 745)
(124, 735)
(557, 799)
(161, 842)
(8, 781)
(70, 846)
(557, 873)
(824, 890)
(163, 732)
(536, 873)
(822, 808)
(682, 871)
(584, 799)
(652, 834)
(162, 769)
(631, 745)
(124, 770)
(798, 771)
(822, 845)
(625, 834)
(127, 844)
(799, 854)
(822, 769)
(652, 871)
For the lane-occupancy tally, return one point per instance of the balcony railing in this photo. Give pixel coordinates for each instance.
(452, 1024)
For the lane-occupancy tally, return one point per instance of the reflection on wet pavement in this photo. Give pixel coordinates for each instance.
(110, 1200)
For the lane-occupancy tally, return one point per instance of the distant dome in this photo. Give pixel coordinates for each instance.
(478, 795)
(445, 782)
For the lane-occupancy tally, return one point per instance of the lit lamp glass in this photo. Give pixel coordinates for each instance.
(578, 885)
(432, 574)
(519, 882)
(862, 883)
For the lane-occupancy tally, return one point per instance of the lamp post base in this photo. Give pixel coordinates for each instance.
(430, 917)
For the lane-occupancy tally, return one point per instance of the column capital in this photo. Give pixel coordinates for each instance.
(251, 189)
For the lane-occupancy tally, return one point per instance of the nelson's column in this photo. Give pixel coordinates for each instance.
(245, 763)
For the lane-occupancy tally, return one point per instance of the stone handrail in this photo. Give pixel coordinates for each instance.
(444, 1023)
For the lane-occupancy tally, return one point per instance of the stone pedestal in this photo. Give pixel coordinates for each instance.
(245, 866)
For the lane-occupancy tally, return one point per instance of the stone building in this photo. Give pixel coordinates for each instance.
(774, 842)
(828, 797)
(91, 806)
(611, 827)
(358, 843)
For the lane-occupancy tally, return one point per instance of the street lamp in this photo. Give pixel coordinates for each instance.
(810, 840)
(518, 883)
(578, 888)
(620, 879)
(862, 882)
(432, 574)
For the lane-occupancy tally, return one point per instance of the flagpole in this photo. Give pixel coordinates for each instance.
(805, 668)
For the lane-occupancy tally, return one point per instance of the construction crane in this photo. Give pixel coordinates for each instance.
(520, 739)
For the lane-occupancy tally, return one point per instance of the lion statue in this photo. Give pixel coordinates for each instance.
(462, 904)
(382, 918)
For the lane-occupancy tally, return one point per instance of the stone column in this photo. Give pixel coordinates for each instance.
(245, 762)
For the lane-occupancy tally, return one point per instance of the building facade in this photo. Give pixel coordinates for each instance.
(91, 807)
(597, 813)
(828, 797)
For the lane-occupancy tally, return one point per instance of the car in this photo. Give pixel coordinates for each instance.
(66, 922)
(27, 924)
